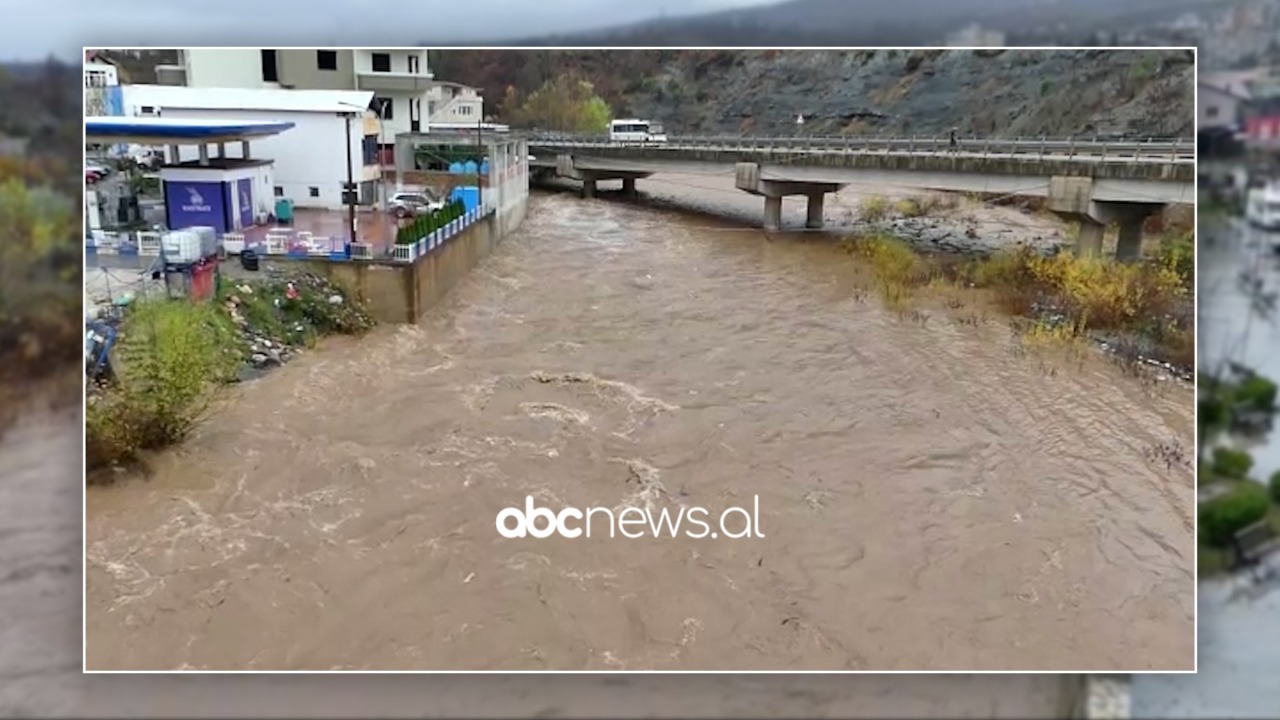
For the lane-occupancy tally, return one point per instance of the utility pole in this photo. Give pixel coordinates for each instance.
(480, 161)
(349, 193)
(382, 178)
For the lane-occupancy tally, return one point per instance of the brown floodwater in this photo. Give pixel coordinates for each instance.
(930, 495)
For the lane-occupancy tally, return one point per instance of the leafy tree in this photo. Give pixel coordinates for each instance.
(596, 115)
(563, 104)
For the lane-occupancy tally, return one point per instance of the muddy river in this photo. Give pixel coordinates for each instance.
(929, 496)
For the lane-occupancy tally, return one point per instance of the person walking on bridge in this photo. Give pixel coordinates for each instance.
(954, 146)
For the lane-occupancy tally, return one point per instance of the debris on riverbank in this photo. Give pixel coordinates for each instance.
(170, 357)
(278, 317)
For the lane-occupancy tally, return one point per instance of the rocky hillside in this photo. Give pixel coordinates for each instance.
(995, 93)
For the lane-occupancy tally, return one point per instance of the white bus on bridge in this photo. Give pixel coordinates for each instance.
(636, 131)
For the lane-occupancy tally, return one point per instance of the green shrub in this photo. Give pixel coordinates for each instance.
(1227, 514)
(1274, 487)
(1258, 393)
(1231, 463)
(170, 357)
(1178, 253)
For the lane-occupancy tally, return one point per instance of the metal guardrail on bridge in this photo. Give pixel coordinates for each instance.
(1155, 151)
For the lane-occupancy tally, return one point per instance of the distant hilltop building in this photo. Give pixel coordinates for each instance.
(976, 36)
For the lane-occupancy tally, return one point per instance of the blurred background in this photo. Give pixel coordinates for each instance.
(42, 88)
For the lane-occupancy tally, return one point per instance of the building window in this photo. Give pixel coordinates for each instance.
(370, 150)
(385, 107)
(413, 64)
(270, 71)
(279, 191)
(1211, 112)
(315, 191)
(148, 109)
(327, 59)
(465, 110)
(381, 62)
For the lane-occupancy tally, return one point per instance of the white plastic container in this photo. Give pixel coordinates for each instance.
(209, 240)
(181, 246)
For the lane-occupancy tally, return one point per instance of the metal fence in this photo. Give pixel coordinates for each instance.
(1154, 150)
(425, 245)
(297, 244)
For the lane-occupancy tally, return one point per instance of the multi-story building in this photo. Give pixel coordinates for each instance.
(406, 96)
(452, 105)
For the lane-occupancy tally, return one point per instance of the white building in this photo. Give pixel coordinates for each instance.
(454, 104)
(1220, 95)
(1216, 107)
(331, 127)
(100, 74)
(404, 90)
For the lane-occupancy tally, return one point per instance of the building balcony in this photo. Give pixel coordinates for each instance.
(399, 82)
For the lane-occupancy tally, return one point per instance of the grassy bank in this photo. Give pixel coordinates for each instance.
(1141, 309)
(173, 358)
(1241, 405)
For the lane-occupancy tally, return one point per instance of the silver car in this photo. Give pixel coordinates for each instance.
(412, 204)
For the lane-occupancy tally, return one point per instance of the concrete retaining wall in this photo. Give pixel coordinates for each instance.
(397, 292)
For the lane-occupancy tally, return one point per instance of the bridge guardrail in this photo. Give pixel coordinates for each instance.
(1130, 150)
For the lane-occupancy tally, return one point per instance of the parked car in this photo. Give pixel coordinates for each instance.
(412, 204)
(94, 172)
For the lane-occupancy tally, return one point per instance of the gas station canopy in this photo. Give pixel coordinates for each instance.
(176, 131)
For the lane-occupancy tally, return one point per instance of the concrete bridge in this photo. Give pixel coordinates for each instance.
(1094, 182)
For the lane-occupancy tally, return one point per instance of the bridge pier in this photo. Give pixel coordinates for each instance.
(1129, 217)
(588, 187)
(747, 178)
(813, 219)
(773, 212)
(629, 187)
(1072, 199)
(1089, 242)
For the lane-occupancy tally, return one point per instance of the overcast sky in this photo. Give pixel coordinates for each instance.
(64, 26)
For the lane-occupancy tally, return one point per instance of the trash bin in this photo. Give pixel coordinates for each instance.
(284, 210)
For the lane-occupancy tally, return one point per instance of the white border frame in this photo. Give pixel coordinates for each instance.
(84, 541)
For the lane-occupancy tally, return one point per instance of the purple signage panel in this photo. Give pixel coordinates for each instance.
(244, 191)
(190, 204)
